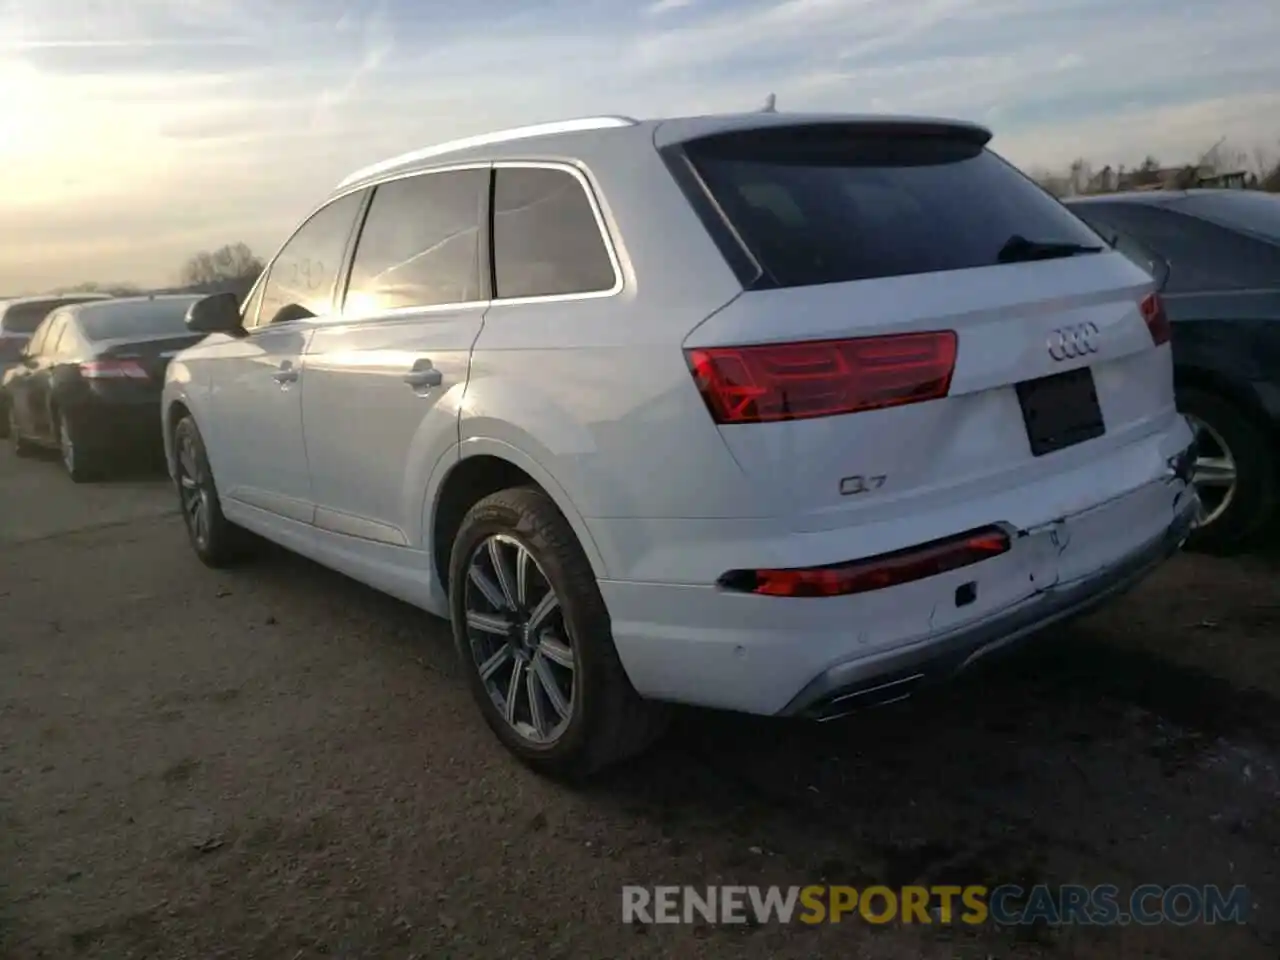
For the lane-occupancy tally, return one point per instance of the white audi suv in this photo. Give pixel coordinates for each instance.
(783, 414)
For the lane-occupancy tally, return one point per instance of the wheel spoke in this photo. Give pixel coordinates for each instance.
(513, 690)
(505, 580)
(556, 651)
(547, 680)
(1214, 472)
(536, 718)
(187, 460)
(546, 606)
(523, 567)
(495, 662)
(487, 587)
(488, 623)
(187, 482)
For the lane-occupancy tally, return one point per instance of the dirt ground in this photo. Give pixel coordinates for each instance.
(278, 763)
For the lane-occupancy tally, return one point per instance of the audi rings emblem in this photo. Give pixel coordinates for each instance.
(1070, 343)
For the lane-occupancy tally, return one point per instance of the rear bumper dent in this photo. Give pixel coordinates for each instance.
(894, 674)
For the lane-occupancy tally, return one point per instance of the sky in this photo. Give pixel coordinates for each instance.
(136, 132)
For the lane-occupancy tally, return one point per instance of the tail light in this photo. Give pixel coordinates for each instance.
(113, 370)
(822, 378)
(1157, 320)
(875, 573)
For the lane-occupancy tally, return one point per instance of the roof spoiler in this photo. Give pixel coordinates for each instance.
(673, 132)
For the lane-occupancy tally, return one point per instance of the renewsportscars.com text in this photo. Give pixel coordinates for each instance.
(1007, 904)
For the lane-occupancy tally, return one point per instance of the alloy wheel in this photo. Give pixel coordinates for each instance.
(1214, 475)
(193, 491)
(516, 631)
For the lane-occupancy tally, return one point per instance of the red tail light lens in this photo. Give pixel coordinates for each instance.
(112, 370)
(1156, 319)
(823, 378)
(875, 573)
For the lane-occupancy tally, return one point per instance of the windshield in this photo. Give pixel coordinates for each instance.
(835, 203)
(128, 319)
(1248, 210)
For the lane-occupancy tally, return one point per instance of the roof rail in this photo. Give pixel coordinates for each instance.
(484, 139)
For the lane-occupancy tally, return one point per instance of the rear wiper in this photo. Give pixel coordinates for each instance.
(1018, 249)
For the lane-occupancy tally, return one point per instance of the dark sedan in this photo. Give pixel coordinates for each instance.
(19, 318)
(1216, 255)
(88, 383)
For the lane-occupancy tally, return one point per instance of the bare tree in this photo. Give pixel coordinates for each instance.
(228, 265)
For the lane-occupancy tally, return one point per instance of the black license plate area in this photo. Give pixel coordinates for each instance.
(1060, 410)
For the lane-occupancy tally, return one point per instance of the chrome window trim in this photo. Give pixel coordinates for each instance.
(580, 174)
(493, 138)
(338, 313)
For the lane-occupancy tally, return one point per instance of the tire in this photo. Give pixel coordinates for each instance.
(21, 447)
(1235, 519)
(5, 428)
(80, 459)
(215, 539)
(606, 720)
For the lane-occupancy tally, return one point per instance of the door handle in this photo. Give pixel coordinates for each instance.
(286, 374)
(423, 374)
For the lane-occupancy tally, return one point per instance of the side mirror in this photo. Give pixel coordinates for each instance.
(219, 313)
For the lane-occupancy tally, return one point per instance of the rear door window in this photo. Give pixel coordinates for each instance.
(831, 203)
(546, 239)
(420, 244)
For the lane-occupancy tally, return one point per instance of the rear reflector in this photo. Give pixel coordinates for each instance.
(874, 573)
(112, 370)
(822, 378)
(1156, 319)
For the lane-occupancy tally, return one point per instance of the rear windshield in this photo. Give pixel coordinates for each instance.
(831, 203)
(1248, 210)
(25, 317)
(125, 320)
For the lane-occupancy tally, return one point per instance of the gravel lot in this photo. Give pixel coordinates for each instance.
(276, 762)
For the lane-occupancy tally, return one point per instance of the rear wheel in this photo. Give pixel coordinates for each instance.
(82, 462)
(21, 447)
(535, 640)
(216, 540)
(1235, 473)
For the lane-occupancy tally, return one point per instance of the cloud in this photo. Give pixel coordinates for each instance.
(143, 130)
(666, 6)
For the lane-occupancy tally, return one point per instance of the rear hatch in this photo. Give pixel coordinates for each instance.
(921, 322)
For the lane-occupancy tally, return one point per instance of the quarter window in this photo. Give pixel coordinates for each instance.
(419, 246)
(546, 240)
(301, 279)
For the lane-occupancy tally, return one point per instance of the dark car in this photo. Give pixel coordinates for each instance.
(1216, 255)
(88, 383)
(19, 318)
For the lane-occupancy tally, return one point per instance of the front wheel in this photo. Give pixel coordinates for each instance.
(536, 643)
(216, 541)
(1235, 473)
